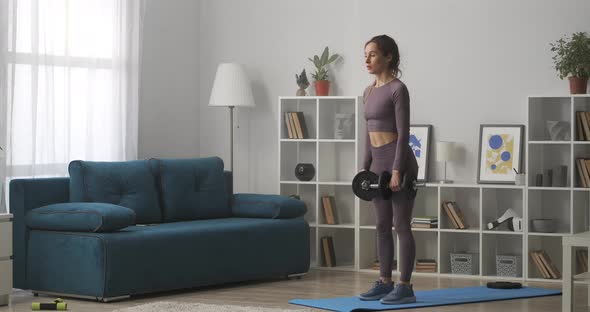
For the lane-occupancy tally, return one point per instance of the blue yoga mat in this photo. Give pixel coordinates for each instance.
(429, 298)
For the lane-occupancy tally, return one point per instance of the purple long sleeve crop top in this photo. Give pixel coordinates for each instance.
(387, 108)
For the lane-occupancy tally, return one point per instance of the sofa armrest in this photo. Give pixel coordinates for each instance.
(267, 206)
(80, 217)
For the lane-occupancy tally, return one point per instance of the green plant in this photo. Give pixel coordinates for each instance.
(321, 63)
(572, 57)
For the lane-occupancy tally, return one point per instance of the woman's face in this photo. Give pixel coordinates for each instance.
(374, 60)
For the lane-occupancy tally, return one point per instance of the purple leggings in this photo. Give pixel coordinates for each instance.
(397, 212)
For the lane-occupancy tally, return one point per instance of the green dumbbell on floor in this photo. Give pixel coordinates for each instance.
(56, 305)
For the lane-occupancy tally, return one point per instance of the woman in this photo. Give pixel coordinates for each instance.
(387, 111)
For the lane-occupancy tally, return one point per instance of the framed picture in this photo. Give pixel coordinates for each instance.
(420, 144)
(500, 153)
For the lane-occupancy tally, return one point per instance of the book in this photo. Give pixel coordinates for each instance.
(425, 225)
(553, 270)
(579, 127)
(288, 126)
(292, 124)
(585, 124)
(540, 266)
(303, 125)
(329, 209)
(328, 251)
(458, 214)
(580, 169)
(449, 214)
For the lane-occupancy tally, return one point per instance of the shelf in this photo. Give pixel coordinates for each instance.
(470, 231)
(298, 140)
(549, 188)
(502, 232)
(550, 142)
(336, 226)
(548, 234)
(424, 229)
(336, 141)
(299, 182)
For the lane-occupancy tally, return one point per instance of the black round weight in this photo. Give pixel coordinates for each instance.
(384, 189)
(361, 185)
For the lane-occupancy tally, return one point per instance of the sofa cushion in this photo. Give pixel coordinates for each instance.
(193, 189)
(131, 184)
(80, 217)
(267, 206)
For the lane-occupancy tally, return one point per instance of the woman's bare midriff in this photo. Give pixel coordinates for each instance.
(379, 138)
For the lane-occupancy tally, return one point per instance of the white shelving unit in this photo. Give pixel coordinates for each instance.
(337, 161)
(568, 204)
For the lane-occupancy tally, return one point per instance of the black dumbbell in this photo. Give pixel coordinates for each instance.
(367, 185)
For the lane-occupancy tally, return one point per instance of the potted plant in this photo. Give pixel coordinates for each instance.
(572, 60)
(322, 85)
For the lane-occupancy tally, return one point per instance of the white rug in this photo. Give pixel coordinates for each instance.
(200, 307)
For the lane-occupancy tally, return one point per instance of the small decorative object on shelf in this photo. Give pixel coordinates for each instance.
(302, 82)
(322, 84)
(558, 130)
(304, 172)
(572, 60)
(344, 126)
(544, 225)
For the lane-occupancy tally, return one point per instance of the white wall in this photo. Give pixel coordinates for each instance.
(465, 62)
(169, 95)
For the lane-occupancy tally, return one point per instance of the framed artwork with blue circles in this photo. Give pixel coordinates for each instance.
(420, 143)
(500, 153)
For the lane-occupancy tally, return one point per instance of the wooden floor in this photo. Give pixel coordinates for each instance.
(316, 284)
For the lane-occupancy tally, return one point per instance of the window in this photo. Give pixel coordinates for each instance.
(72, 83)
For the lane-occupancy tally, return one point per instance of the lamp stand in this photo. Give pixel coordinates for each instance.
(445, 181)
(231, 137)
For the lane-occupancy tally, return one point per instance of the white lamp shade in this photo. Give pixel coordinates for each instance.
(445, 151)
(231, 87)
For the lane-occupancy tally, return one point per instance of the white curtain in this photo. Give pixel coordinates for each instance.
(72, 83)
(69, 84)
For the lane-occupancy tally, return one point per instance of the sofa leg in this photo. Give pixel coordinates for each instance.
(297, 275)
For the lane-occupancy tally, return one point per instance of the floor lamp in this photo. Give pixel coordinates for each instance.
(231, 88)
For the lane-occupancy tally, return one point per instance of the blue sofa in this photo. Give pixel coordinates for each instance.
(117, 229)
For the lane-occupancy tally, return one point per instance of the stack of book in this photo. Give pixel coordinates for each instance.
(583, 166)
(583, 125)
(425, 222)
(582, 256)
(296, 126)
(328, 251)
(455, 214)
(544, 264)
(426, 265)
(329, 209)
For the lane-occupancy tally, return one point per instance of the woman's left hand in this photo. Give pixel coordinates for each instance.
(395, 181)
